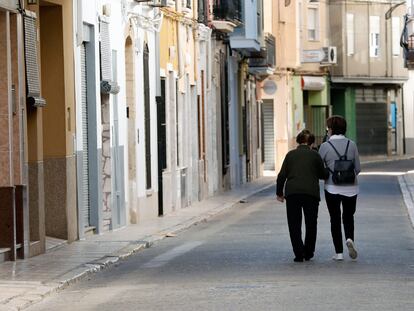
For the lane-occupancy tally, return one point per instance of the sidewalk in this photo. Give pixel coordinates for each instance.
(25, 282)
(407, 188)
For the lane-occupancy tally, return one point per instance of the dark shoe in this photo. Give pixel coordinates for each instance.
(308, 257)
(298, 259)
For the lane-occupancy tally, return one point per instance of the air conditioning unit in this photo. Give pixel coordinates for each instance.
(328, 55)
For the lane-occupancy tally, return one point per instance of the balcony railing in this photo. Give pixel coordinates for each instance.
(227, 10)
(267, 55)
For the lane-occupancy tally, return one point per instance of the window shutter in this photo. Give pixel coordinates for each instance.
(350, 34)
(396, 36)
(31, 60)
(374, 31)
(106, 70)
(312, 23)
(107, 85)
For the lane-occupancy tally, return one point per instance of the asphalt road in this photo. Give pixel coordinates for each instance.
(242, 260)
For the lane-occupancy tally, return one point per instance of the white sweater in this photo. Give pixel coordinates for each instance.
(329, 156)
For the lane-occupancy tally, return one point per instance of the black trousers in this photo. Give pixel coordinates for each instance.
(333, 201)
(295, 203)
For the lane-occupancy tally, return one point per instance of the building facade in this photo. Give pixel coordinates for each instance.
(368, 81)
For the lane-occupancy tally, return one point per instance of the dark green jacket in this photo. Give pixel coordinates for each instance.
(301, 171)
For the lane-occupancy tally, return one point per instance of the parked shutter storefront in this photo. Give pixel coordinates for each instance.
(371, 121)
(268, 132)
(85, 145)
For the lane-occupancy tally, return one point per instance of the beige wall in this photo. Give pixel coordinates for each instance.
(284, 28)
(67, 76)
(53, 84)
(168, 38)
(322, 33)
(360, 64)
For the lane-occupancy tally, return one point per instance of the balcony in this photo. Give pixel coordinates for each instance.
(262, 64)
(247, 37)
(226, 15)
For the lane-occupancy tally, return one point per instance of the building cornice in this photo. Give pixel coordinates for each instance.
(370, 80)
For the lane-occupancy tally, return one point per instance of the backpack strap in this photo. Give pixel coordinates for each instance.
(345, 155)
(339, 155)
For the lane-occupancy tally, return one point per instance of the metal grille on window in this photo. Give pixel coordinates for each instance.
(31, 59)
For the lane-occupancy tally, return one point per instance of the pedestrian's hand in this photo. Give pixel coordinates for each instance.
(280, 198)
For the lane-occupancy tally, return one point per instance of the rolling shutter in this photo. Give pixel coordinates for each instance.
(371, 121)
(31, 60)
(85, 145)
(269, 135)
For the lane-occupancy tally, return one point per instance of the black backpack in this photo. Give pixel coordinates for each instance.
(344, 169)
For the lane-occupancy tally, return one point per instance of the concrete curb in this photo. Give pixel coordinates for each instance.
(387, 159)
(30, 298)
(405, 185)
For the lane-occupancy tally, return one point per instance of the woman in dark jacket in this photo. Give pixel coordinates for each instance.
(298, 182)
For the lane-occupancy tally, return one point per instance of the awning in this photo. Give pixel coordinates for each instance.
(310, 83)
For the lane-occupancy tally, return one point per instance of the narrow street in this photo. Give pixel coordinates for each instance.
(242, 260)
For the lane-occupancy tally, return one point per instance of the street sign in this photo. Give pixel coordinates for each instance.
(270, 87)
(312, 56)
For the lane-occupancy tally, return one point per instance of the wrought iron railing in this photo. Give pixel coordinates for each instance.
(228, 10)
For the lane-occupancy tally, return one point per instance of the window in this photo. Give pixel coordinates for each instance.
(374, 36)
(186, 4)
(395, 24)
(312, 24)
(350, 34)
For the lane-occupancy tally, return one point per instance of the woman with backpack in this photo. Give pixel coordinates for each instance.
(340, 155)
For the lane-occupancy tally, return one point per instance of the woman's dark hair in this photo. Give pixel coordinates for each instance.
(305, 137)
(337, 124)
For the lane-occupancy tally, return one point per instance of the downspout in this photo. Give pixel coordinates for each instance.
(386, 48)
(368, 41)
(157, 61)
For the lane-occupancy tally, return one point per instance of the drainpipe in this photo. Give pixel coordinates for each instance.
(157, 61)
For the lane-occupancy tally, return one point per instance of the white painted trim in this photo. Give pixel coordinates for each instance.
(162, 73)
(170, 67)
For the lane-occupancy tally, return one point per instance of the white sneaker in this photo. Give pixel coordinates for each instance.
(351, 249)
(338, 257)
